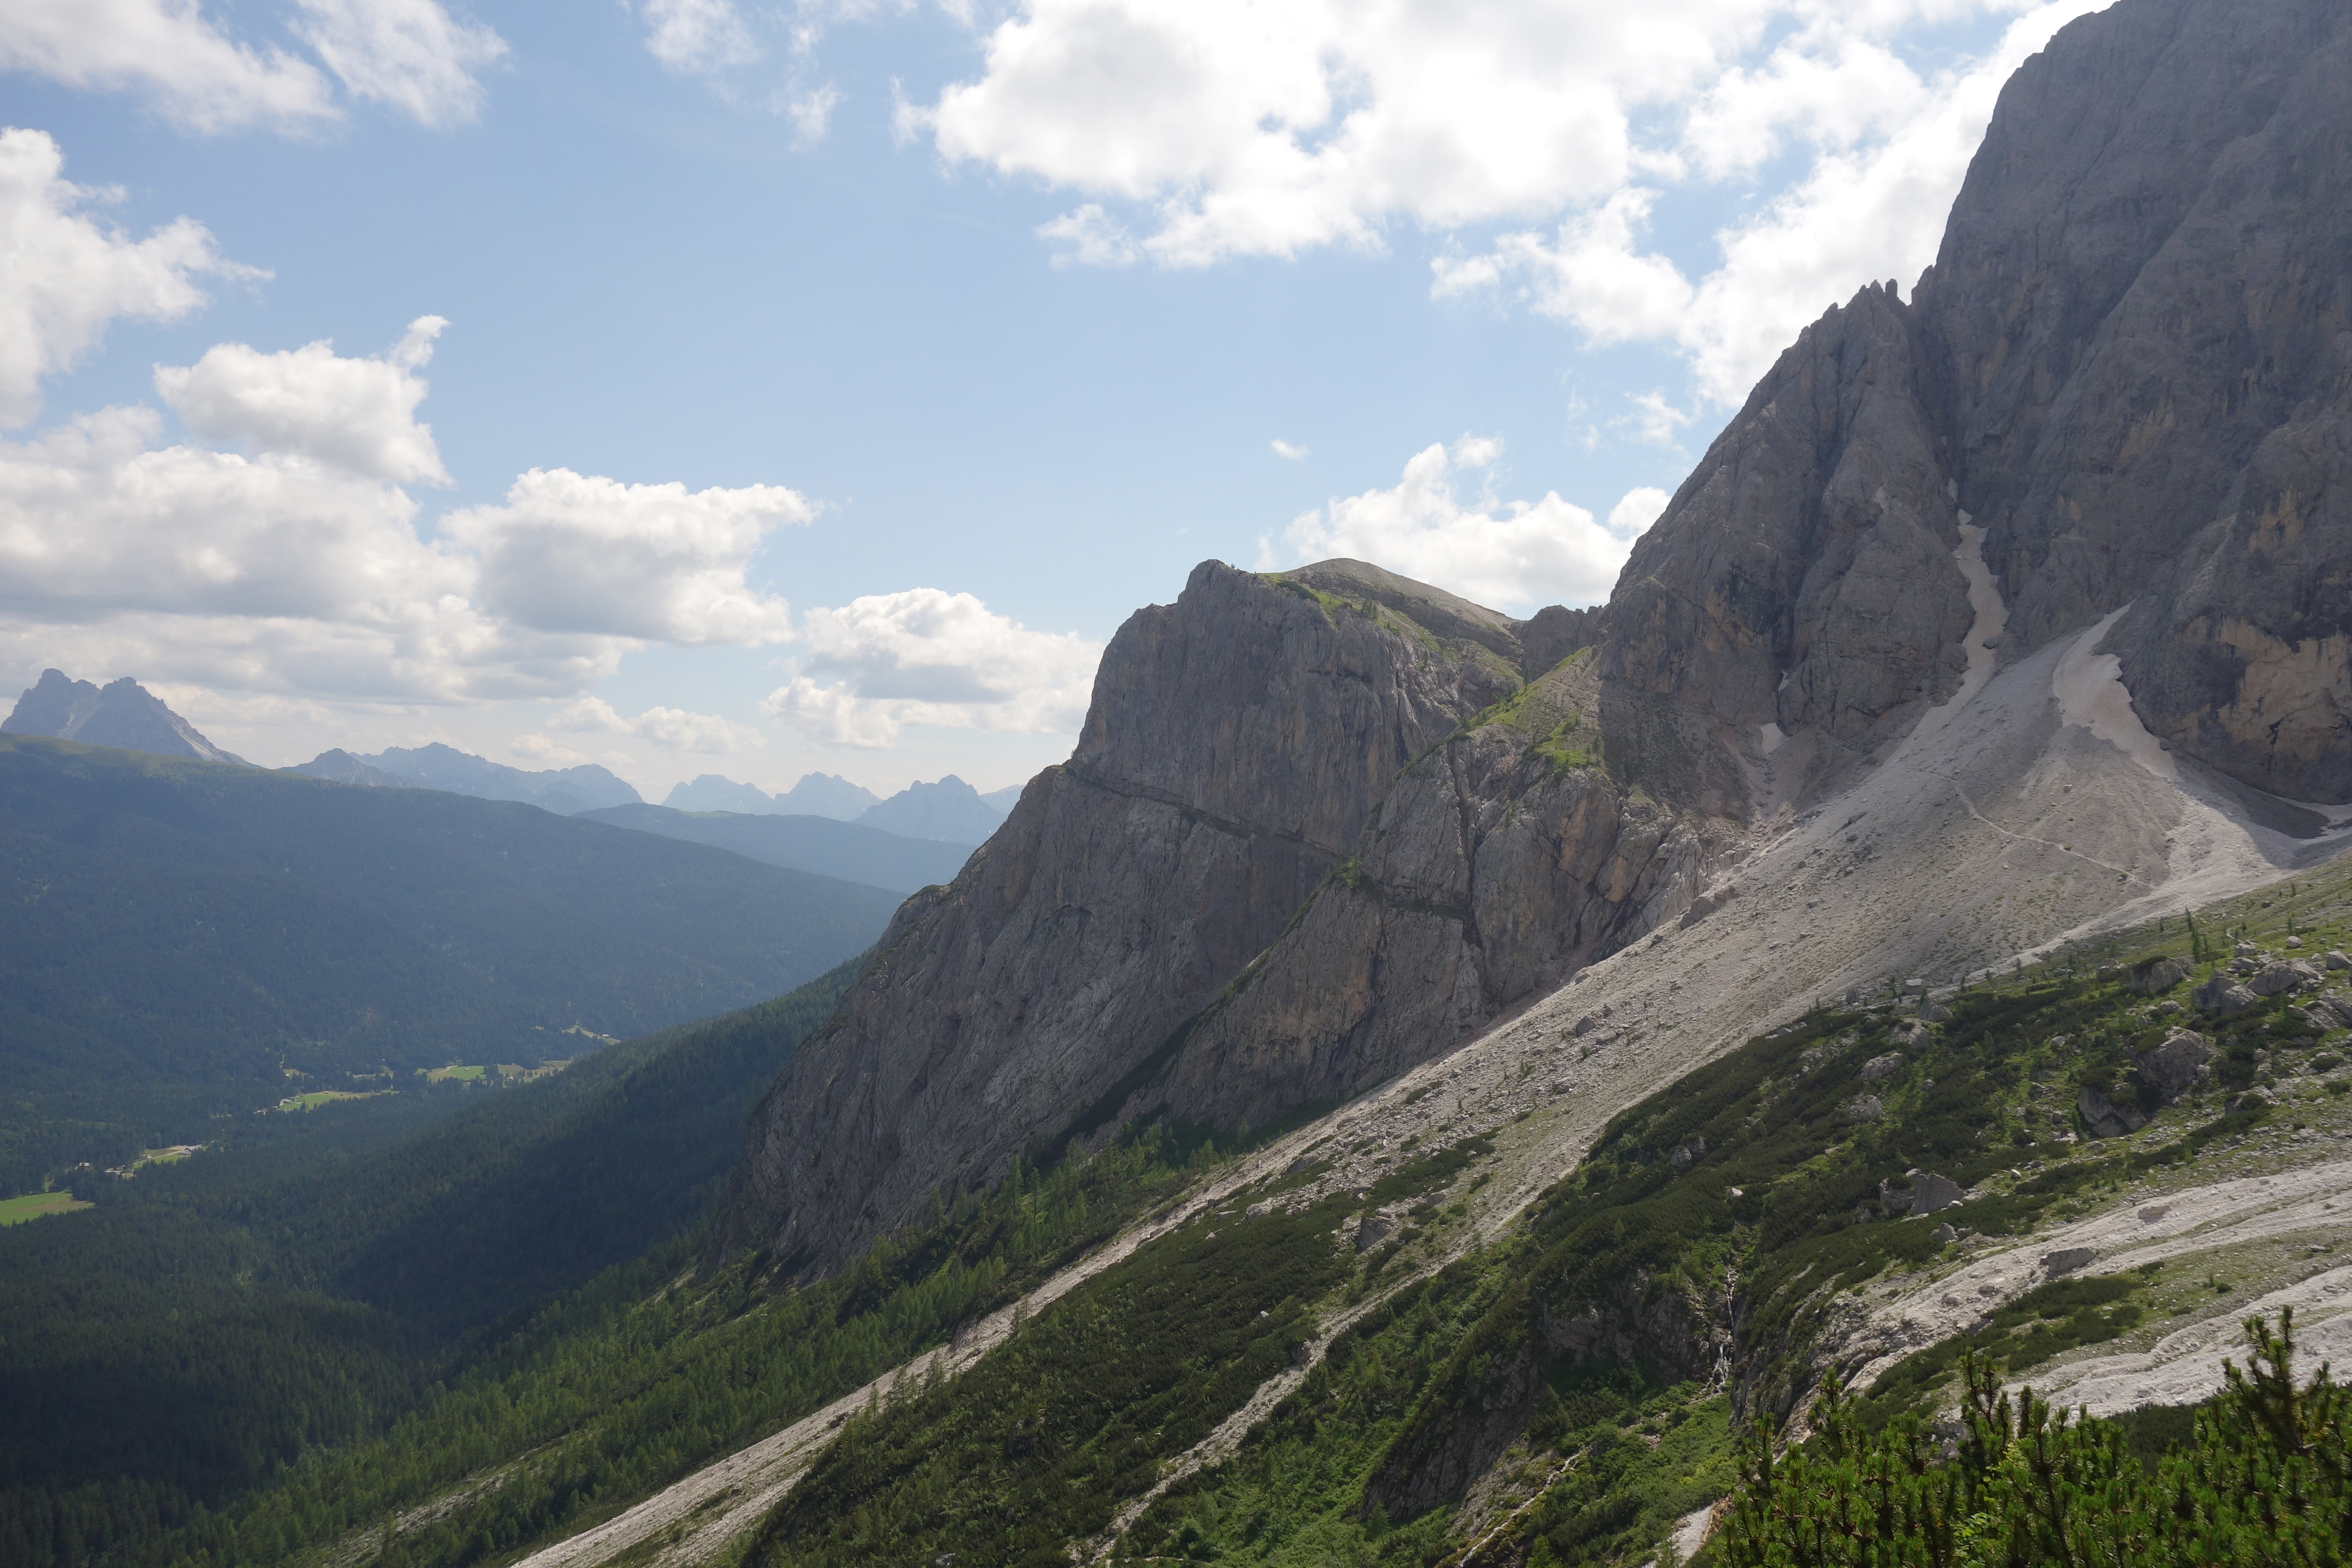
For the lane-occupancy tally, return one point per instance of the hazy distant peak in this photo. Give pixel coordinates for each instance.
(710, 791)
(443, 767)
(123, 714)
(344, 768)
(828, 794)
(950, 811)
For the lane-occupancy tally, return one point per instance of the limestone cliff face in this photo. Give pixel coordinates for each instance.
(1496, 866)
(1238, 742)
(1316, 829)
(2131, 366)
(1803, 575)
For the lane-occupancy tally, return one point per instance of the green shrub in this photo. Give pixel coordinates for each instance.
(2267, 1479)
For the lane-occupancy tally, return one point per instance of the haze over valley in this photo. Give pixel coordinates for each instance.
(1788, 1001)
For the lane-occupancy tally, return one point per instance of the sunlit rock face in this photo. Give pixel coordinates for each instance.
(1318, 825)
(2131, 366)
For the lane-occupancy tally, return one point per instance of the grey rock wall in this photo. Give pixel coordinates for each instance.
(2131, 365)
(1495, 867)
(1239, 743)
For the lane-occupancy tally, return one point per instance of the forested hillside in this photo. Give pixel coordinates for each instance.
(306, 1280)
(182, 940)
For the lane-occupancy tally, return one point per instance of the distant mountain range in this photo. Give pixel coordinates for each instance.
(564, 791)
(817, 795)
(850, 850)
(180, 939)
(950, 811)
(126, 715)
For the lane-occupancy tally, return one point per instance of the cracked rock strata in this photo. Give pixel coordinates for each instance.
(1243, 745)
(2130, 364)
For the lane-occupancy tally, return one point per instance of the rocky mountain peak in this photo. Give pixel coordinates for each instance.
(123, 714)
(1241, 753)
(2129, 368)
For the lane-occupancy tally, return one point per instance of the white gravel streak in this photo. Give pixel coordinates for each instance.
(2144, 1230)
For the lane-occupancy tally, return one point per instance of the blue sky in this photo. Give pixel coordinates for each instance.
(954, 333)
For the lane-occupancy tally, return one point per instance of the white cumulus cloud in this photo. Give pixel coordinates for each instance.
(95, 517)
(1285, 450)
(698, 36)
(269, 573)
(811, 112)
(1891, 151)
(356, 414)
(674, 729)
(927, 657)
(410, 56)
(1255, 130)
(299, 565)
(168, 51)
(1515, 554)
(1636, 509)
(1090, 238)
(1197, 130)
(576, 553)
(63, 277)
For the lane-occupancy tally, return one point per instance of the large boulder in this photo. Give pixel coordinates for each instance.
(2105, 1118)
(2159, 975)
(2222, 994)
(2278, 979)
(1926, 1193)
(2174, 1067)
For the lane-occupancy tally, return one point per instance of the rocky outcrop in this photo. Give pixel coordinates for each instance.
(2172, 1068)
(2106, 1118)
(2222, 995)
(2279, 979)
(1333, 785)
(2130, 366)
(123, 714)
(1495, 867)
(2158, 975)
